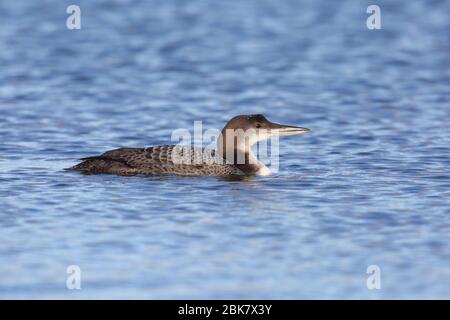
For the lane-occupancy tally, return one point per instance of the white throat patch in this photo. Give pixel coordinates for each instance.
(263, 171)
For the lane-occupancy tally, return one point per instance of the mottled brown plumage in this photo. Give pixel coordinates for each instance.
(160, 160)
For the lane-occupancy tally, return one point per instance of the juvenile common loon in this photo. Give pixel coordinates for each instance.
(234, 156)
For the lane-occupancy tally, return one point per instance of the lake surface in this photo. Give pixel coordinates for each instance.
(369, 185)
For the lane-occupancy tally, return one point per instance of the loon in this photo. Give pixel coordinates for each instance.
(233, 157)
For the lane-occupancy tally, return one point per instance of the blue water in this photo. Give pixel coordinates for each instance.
(369, 185)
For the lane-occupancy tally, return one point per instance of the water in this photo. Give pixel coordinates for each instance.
(370, 185)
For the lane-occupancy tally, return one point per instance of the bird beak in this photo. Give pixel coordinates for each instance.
(277, 129)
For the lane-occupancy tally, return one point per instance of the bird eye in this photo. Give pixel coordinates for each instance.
(258, 125)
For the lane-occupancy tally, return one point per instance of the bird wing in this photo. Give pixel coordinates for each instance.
(165, 159)
(158, 155)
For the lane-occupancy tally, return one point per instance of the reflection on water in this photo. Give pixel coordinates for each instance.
(369, 185)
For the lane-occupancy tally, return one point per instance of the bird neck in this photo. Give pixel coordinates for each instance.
(237, 152)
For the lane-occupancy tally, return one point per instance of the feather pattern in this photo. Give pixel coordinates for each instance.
(159, 160)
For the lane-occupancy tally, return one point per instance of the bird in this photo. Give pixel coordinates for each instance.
(232, 157)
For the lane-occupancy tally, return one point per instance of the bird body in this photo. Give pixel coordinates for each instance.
(159, 160)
